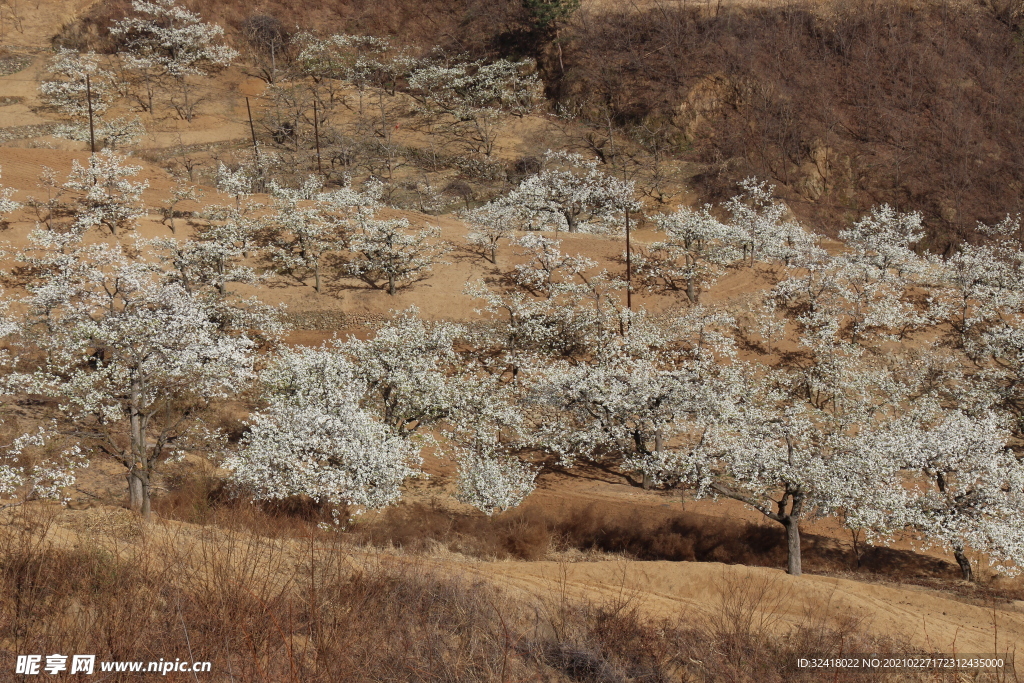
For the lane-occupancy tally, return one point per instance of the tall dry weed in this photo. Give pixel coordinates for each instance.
(314, 608)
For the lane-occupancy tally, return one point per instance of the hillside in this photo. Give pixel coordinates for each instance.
(407, 413)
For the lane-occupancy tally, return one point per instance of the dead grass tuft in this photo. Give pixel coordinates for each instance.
(311, 610)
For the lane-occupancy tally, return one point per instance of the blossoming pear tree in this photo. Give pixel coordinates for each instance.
(385, 253)
(170, 42)
(104, 194)
(571, 193)
(314, 438)
(130, 357)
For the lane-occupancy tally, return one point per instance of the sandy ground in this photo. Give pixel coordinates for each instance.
(927, 619)
(930, 620)
(35, 22)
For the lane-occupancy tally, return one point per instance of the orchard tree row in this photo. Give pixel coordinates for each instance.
(166, 55)
(873, 383)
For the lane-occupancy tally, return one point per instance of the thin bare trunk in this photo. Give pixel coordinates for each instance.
(188, 108)
(965, 564)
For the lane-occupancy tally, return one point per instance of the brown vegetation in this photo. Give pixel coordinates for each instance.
(844, 105)
(312, 611)
(537, 530)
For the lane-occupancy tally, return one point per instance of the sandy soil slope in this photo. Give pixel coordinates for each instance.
(928, 619)
(37, 21)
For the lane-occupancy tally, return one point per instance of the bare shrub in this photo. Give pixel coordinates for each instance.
(843, 105)
(310, 610)
(266, 37)
(533, 532)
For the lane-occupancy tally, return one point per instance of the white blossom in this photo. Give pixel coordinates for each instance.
(314, 439)
(104, 194)
(173, 38)
(166, 40)
(494, 484)
(473, 97)
(492, 223)
(406, 367)
(67, 92)
(760, 221)
(698, 248)
(969, 486)
(570, 193)
(385, 251)
(44, 477)
(129, 356)
(7, 204)
(547, 269)
(307, 223)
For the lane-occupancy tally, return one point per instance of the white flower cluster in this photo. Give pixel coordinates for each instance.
(314, 439)
(171, 39)
(386, 251)
(360, 60)
(105, 195)
(7, 203)
(129, 355)
(71, 93)
(308, 223)
(494, 484)
(492, 223)
(466, 89)
(570, 193)
(45, 478)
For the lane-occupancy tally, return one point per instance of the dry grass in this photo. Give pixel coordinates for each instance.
(312, 610)
(571, 532)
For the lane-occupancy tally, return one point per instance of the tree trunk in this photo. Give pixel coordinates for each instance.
(793, 545)
(188, 108)
(657, 449)
(965, 564)
(139, 496)
(691, 291)
(135, 491)
(138, 474)
(391, 285)
(146, 501)
(316, 275)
